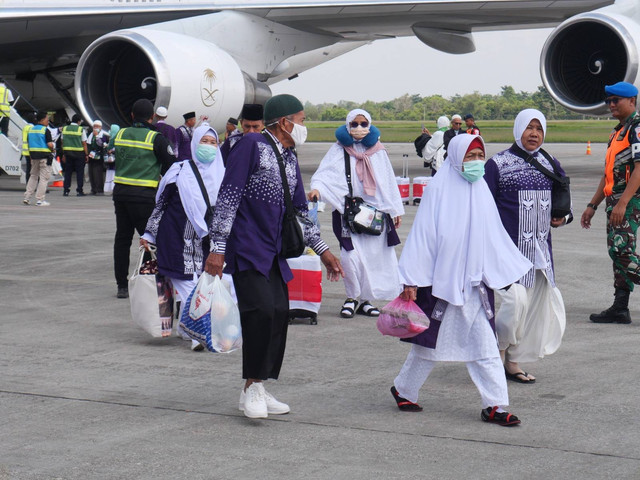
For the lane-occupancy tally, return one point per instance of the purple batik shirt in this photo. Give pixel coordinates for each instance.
(169, 133)
(523, 198)
(183, 139)
(249, 211)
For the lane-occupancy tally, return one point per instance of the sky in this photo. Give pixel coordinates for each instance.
(387, 69)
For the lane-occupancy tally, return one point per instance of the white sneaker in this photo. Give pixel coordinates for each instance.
(196, 346)
(42, 203)
(255, 404)
(274, 407)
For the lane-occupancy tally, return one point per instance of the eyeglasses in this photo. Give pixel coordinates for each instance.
(457, 123)
(364, 124)
(613, 100)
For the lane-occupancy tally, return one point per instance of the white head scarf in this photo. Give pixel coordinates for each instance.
(354, 113)
(457, 239)
(190, 193)
(522, 122)
(443, 122)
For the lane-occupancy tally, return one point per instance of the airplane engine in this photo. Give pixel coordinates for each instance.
(179, 72)
(584, 54)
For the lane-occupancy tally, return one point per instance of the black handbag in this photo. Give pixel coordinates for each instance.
(359, 216)
(292, 243)
(560, 191)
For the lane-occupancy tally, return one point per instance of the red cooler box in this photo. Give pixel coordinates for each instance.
(403, 186)
(419, 184)
(305, 289)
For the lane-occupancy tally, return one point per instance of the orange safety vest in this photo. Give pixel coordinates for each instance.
(618, 143)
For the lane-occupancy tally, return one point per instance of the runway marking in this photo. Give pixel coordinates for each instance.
(328, 425)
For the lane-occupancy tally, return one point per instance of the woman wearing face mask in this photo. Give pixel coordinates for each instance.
(179, 224)
(456, 253)
(369, 261)
(531, 320)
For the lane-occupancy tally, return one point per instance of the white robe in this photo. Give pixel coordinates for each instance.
(371, 268)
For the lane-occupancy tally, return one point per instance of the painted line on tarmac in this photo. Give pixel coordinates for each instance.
(318, 424)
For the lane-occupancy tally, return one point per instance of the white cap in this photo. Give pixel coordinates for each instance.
(162, 111)
(97, 122)
(443, 122)
(456, 117)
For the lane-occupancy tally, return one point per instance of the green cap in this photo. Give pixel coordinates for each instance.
(281, 106)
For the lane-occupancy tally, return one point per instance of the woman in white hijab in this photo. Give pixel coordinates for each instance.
(531, 320)
(369, 261)
(179, 222)
(456, 253)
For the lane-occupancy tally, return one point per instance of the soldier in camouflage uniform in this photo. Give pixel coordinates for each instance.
(619, 186)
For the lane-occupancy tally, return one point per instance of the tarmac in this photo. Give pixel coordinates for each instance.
(88, 395)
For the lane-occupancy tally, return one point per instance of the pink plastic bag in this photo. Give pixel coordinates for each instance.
(402, 318)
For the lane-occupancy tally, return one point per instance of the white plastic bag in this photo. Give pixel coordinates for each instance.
(151, 298)
(212, 318)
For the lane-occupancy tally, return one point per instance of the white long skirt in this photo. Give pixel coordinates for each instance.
(531, 321)
(371, 268)
(465, 335)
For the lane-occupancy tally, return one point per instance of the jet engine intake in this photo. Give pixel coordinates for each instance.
(584, 54)
(176, 71)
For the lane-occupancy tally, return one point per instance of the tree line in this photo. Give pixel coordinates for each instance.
(503, 106)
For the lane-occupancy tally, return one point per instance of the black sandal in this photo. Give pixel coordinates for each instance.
(367, 310)
(348, 311)
(504, 419)
(519, 377)
(404, 404)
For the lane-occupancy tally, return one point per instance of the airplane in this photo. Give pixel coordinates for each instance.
(97, 57)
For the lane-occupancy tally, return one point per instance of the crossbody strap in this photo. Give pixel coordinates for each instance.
(347, 171)
(531, 160)
(207, 216)
(283, 174)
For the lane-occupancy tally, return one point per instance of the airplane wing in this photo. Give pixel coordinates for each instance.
(37, 38)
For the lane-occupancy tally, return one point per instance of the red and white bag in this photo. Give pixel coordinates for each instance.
(305, 289)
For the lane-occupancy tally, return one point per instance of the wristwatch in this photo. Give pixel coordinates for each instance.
(592, 205)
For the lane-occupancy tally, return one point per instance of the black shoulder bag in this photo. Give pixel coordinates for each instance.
(208, 216)
(359, 216)
(292, 237)
(560, 191)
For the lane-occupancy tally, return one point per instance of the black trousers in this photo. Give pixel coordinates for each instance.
(74, 162)
(264, 307)
(4, 125)
(130, 217)
(96, 176)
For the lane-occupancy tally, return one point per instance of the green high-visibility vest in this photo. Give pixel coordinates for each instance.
(5, 108)
(25, 139)
(72, 138)
(136, 164)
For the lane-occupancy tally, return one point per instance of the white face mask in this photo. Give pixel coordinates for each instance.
(359, 132)
(298, 134)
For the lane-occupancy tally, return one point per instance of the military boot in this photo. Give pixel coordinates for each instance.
(616, 313)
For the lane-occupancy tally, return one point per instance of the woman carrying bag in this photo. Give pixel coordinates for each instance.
(179, 224)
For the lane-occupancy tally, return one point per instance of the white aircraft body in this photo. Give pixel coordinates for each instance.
(98, 56)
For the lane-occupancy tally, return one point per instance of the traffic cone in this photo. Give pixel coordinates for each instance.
(589, 147)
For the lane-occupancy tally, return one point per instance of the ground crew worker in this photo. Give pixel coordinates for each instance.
(41, 147)
(619, 187)
(74, 154)
(30, 119)
(142, 155)
(6, 100)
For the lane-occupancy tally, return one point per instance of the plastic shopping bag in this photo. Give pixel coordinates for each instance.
(402, 318)
(212, 317)
(151, 298)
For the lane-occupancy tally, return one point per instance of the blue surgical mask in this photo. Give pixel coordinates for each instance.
(473, 170)
(206, 153)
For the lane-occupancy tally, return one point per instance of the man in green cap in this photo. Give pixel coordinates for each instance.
(246, 234)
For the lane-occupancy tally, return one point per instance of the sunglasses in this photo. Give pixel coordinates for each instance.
(364, 124)
(613, 100)
(457, 123)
